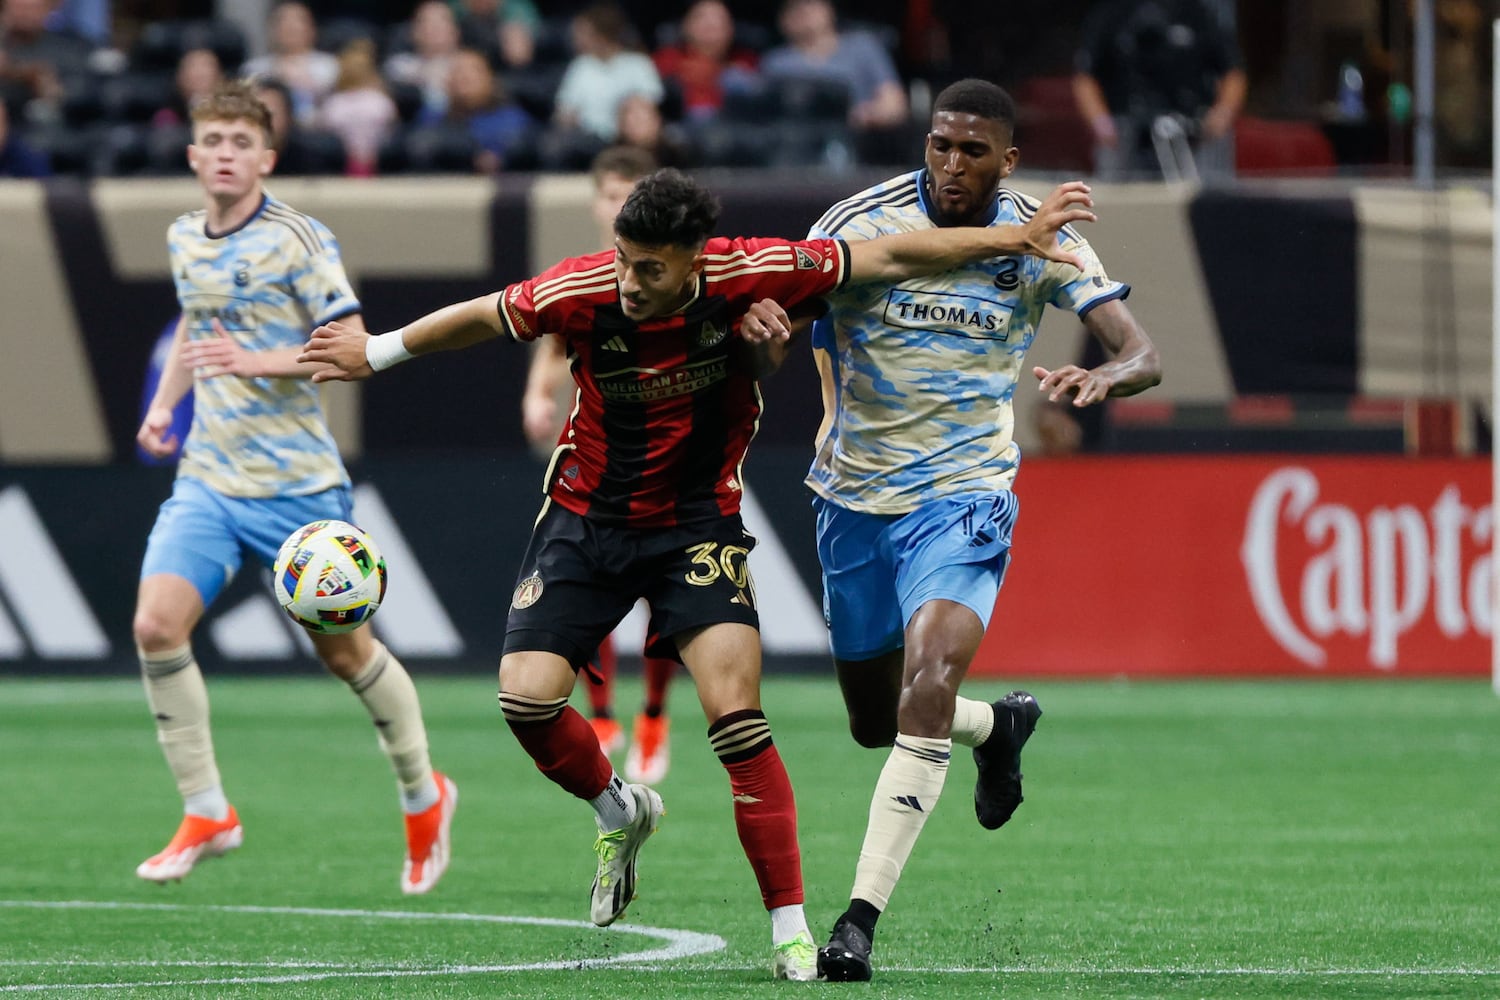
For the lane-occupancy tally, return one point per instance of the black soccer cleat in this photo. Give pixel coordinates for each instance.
(997, 791)
(846, 956)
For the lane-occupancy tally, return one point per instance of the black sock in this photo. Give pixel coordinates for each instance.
(863, 915)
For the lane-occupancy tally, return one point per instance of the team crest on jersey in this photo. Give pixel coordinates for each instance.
(528, 592)
(1008, 278)
(806, 259)
(710, 335)
(242, 273)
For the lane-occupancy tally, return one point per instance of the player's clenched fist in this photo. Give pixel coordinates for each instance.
(342, 347)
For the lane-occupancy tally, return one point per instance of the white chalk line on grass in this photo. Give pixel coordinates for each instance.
(679, 944)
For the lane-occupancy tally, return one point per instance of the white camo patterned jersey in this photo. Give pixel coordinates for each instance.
(926, 369)
(269, 282)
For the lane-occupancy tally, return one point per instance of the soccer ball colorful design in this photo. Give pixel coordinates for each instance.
(329, 576)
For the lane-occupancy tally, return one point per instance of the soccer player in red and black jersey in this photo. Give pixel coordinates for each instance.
(644, 502)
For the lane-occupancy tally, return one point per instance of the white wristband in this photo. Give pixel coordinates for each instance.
(387, 349)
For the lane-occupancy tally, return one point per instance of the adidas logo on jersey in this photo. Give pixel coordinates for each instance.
(615, 344)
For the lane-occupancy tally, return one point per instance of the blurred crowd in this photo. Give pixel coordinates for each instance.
(360, 87)
(456, 86)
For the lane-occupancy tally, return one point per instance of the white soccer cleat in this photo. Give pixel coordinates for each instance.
(196, 839)
(797, 959)
(614, 881)
(427, 840)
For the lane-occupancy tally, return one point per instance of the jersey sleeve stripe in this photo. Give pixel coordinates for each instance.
(541, 301)
(591, 275)
(298, 224)
(339, 314)
(846, 211)
(1121, 292)
(721, 260)
(508, 318)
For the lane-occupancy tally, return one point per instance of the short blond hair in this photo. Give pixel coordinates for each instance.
(235, 101)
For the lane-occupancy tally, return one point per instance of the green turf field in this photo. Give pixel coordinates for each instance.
(1204, 839)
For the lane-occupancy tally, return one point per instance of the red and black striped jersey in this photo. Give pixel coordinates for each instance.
(665, 408)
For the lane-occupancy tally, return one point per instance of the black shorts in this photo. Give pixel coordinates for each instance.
(580, 578)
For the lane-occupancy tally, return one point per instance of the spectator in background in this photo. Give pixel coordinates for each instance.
(435, 41)
(642, 126)
(1462, 110)
(297, 152)
(307, 73)
(1144, 61)
(198, 73)
(502, 29)
(91, 20)
(17, 157)
(605, 70)
(36, 62)
(816, 49)
(477, 100)
(359, 111)
(704, 60)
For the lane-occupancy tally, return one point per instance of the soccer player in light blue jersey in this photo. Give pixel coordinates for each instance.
(913, 479)
(253, 276)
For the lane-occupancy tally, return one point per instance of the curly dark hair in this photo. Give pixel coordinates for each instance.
(668, 208)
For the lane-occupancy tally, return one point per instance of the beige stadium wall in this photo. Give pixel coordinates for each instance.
(1424, 296)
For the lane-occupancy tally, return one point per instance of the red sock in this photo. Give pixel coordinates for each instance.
(765, 811)
(658, 674)
(602, 680)
(564, 747)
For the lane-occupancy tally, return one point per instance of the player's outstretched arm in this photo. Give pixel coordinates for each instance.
(221, 354)
(1135, 367)
(908, 255)
(354, 354)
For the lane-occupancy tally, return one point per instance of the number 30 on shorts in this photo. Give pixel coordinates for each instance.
(710, 561)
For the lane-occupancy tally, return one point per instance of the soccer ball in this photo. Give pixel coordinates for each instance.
(329, 577)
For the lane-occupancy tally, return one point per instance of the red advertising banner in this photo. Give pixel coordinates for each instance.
(1249, 565)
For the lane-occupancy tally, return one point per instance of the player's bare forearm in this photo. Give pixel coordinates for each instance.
(1135, 367)
(549, 367)
(176, 378)
(898, 256)
(451, 328)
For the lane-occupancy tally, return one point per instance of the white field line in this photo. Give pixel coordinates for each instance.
(679, 944)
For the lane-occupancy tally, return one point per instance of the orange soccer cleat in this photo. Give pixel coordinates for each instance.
(650, 752)
(427, 840)
(197, 838)
(611, 734)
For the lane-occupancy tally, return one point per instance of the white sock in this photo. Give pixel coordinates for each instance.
(787, 922)
(614, 808)
(905, 795)
(210, 802)
(179, 701)
(973, 721)
(388, 694)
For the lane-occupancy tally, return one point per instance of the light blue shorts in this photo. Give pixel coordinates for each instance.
(202, 535)
(878, 569)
